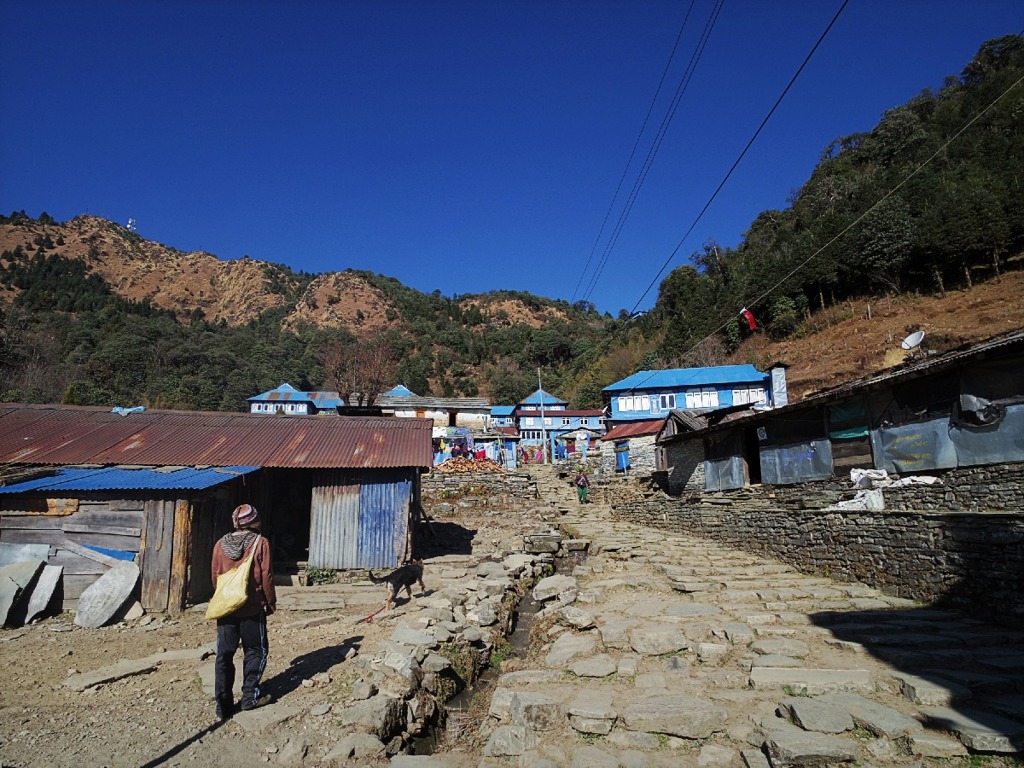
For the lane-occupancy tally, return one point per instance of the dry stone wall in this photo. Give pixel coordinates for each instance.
(960, 543)
(478, 491)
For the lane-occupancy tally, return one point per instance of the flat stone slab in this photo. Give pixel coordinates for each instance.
(124, 668)
(527, 676)
(568, 646)
(686, 610)
(655, 640)
(16, 553)
(776, 661)
(536, 711)
(675, 715)
(595, 704)
(877, 718)
(409, 636)
(737, 633)
(816, 715)
(14, 578)
(601, 665)
(261, 718)
(781, 647)
(980, 731)
(614, 630)
(931, 744)
(935, 692)
(788, 745)
(811, 682)
(553, 586)
(102, 599)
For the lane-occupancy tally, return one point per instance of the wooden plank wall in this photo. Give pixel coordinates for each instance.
(99, 522)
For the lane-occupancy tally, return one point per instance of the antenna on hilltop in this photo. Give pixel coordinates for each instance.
(131, 224)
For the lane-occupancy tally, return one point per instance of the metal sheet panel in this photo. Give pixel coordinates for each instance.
(916, 447)
(67, 435)
(115, 478)
(383, 520)
(799, 463)
(334, 521)
(1003, 442)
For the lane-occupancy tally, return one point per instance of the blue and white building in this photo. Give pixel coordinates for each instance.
(653, 394)
(288, 401)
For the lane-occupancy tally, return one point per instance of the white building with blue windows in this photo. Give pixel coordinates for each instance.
(652, 394)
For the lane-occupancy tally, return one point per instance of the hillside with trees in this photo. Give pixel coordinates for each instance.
(917, 223)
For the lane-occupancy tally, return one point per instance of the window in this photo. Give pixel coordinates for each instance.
(566, 421)
(547, 421)
(584, 421)
(702, 398)
(625, 404)
(666, 402)
(528, 421)
(740, 397)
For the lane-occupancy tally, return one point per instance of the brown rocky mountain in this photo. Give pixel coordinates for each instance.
(233, 291)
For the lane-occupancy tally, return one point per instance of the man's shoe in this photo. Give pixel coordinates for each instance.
(262, 701)
(225, 709)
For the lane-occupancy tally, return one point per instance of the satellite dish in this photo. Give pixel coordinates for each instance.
(913, 341)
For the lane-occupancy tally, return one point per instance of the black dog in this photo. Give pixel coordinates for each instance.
(401, 578)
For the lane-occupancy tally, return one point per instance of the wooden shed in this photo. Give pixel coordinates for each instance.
(159, 486)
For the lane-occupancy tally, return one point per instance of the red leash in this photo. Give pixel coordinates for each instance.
(369, 619)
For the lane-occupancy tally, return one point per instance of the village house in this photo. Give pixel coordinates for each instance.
(286, 400)
(542, 415)
(648, 395)
(961, 408)
(158, 487)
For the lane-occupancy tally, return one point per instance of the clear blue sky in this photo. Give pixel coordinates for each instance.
(460, 146)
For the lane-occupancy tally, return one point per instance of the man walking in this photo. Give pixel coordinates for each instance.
(248, 624)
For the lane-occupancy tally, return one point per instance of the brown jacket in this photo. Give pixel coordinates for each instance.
(261, 579)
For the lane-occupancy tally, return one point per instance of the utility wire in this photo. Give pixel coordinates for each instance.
(632, 153)
(764, 294)
(656, 146)
(742, 154)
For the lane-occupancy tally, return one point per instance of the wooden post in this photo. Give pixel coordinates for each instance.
(177, 587)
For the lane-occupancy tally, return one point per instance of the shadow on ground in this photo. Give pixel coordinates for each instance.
(963, 675)
(437, 539)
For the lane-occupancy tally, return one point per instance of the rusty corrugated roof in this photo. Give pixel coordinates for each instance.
(52, 434)
(634, 429)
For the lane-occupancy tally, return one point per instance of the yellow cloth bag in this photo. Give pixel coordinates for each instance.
(232, 588)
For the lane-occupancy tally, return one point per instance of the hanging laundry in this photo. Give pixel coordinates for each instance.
(747, 315)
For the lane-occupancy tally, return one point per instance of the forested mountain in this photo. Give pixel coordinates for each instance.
(928, 201)
(929, 197)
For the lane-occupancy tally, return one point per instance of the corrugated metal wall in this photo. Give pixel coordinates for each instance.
(359, 520)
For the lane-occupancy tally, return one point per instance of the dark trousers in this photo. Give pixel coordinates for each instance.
(251, 631)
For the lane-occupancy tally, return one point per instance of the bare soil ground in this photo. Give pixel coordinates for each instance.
(164, 717)
(843, 342)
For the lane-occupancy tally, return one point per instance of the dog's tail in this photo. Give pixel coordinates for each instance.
(376, 579)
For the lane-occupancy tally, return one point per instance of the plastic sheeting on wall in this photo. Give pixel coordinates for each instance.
(784, 464)
(914, 447)
(724, 474)
(992, 444)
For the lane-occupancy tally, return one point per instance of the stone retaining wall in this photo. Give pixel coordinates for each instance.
(485, 491)
(960, 543)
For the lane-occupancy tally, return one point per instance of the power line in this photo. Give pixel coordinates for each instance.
(652, 151)
(632, 153)
(642, 177)
(742, 154)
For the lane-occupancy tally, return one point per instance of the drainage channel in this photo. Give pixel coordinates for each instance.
(457, 711)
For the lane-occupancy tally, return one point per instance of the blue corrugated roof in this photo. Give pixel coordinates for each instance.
(399, 391)
(502, 410)
(536, 397)
(674, 378)
(114, 478)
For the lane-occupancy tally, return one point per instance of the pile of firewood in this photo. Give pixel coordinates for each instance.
(462, 464)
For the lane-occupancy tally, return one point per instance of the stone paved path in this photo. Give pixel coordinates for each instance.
(674, 651)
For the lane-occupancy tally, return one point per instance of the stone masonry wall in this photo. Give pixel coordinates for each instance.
(959, 544)
(478, 490)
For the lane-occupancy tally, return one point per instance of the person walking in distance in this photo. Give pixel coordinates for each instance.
(247, 624)
(582, 484)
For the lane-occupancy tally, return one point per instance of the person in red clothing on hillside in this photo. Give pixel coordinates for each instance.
(248, 624)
